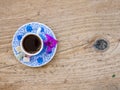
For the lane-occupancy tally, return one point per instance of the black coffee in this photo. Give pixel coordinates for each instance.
(31, 44)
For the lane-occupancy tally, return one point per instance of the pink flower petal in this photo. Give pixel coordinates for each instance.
(50, 43)
(49, 49)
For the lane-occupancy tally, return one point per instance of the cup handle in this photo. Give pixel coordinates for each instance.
(38, 31)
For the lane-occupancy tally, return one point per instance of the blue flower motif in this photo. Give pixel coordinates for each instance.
(19, 37)
(29, 28)
(42, 29)
(40, 60)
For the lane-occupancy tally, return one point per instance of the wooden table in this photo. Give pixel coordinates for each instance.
(76, 65)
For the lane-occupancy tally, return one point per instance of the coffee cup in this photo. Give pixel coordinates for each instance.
(31, 44)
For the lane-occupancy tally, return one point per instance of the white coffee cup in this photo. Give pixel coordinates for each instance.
(31, 44)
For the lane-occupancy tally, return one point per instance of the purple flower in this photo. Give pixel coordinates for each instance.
(50, 43)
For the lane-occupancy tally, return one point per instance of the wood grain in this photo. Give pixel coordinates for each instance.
(76, 65)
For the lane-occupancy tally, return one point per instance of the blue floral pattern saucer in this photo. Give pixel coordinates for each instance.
(43, 57)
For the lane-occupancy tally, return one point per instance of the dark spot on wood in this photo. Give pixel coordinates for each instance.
(113, 75)
(118, 40)
(101, 44)
(38, 13)
(65, 81)
(99, 60)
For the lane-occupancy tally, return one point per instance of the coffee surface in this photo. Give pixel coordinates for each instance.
(31, 44)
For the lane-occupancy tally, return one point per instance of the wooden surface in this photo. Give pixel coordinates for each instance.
(76, 65)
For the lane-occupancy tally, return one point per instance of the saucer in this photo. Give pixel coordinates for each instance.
(37, 60)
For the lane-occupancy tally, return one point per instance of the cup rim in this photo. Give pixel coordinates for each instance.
(29, 54)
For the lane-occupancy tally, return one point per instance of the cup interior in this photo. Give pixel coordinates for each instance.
(31, 44)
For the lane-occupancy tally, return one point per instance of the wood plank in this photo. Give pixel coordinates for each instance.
(76, 65)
